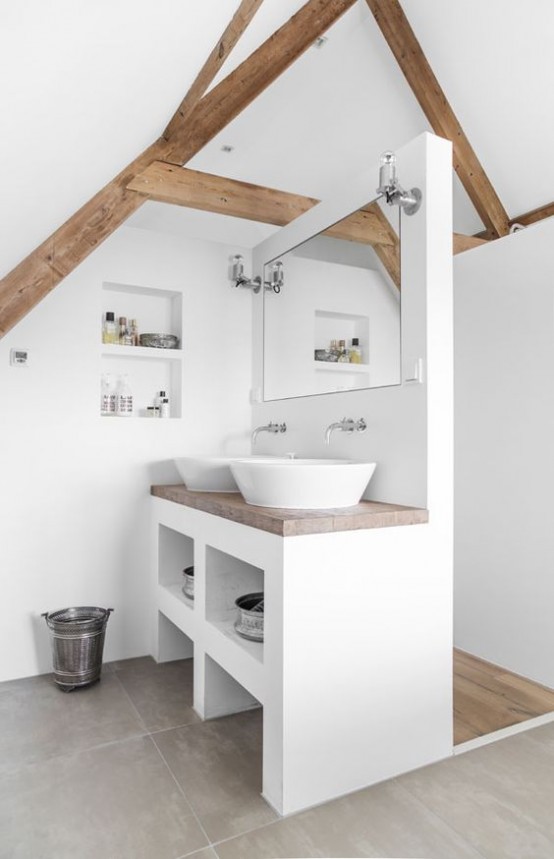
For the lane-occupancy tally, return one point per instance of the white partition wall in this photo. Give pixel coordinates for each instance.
(504, 539)
(401, 579)
(409, 425)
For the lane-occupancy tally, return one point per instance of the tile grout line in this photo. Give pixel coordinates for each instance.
(74, 752)
(132, 703)
(150, 735)
(215, 844)
(173, 728)
(438, 816)
(179, 787)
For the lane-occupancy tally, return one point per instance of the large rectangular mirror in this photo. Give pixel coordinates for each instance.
(332, 309)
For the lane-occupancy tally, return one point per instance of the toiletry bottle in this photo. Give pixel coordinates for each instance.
(124, 398)
(159, 398)
(355, 351)
(344, 355)
(133, 331)
(122, 329)
(164, 408)
(109, 330)
(113, 395)
(126, 337)
(333, 350)
(105, 390)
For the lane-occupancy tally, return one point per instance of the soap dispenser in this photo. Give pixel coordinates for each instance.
(124, 398)
(107, 396)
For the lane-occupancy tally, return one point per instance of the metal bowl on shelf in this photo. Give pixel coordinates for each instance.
(188, 587)
(159, 341)
(250, 621)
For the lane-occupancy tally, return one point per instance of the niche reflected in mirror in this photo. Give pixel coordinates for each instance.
(333, 323)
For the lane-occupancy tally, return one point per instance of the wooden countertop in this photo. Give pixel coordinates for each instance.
(292, 523)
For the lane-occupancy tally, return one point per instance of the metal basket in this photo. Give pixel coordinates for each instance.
(77, 637)
(250, 621)
(188, 587)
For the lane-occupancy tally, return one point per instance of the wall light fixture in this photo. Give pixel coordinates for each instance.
(392, 190)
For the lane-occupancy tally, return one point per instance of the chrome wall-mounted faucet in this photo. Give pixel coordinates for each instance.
(270, 427)
(345, 425)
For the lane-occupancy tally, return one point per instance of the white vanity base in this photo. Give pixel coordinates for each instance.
(355, 672)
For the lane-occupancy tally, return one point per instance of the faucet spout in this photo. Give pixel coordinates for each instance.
(348, 425)
(337, 425)
(270, 427)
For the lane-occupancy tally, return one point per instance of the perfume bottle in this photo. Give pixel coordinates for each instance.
(109, 330)
(355, 351)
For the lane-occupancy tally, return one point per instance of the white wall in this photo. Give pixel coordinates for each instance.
(74, 486)
(504, 535)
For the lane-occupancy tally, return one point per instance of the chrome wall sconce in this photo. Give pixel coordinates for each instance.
(276, 277)
(392, 191)
(275, 283)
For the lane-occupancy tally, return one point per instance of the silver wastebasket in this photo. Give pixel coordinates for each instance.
(77, 637)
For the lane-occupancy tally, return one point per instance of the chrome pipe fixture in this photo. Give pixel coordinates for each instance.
(345, 425)
(276, 277)
(392, 190)
(270, 427)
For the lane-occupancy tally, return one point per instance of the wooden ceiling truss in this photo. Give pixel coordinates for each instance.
(157, 173)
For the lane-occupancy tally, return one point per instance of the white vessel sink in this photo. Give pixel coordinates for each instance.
(302, 484)
(206, 473)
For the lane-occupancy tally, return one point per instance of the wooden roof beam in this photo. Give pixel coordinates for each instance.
(534, 216)
(23, 287)
(211, 67)
(239, 89)
(181, 186)
(30, 281)
(416, 69)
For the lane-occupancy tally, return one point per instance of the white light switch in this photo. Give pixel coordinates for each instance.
(413, 370)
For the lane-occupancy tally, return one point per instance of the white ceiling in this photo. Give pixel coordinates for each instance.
(88, 85)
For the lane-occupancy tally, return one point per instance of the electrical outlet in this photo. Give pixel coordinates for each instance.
(19, 357)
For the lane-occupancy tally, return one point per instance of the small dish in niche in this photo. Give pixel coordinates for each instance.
(159, 341)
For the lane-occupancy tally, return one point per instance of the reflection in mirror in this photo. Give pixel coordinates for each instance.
(335, 323)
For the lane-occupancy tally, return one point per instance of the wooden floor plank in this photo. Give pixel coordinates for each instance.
(488, 698)
(511, 689)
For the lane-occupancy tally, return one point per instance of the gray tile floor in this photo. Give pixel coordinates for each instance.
(125, 769)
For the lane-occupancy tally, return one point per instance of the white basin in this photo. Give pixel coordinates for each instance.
(206, 473)
(302, 484)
